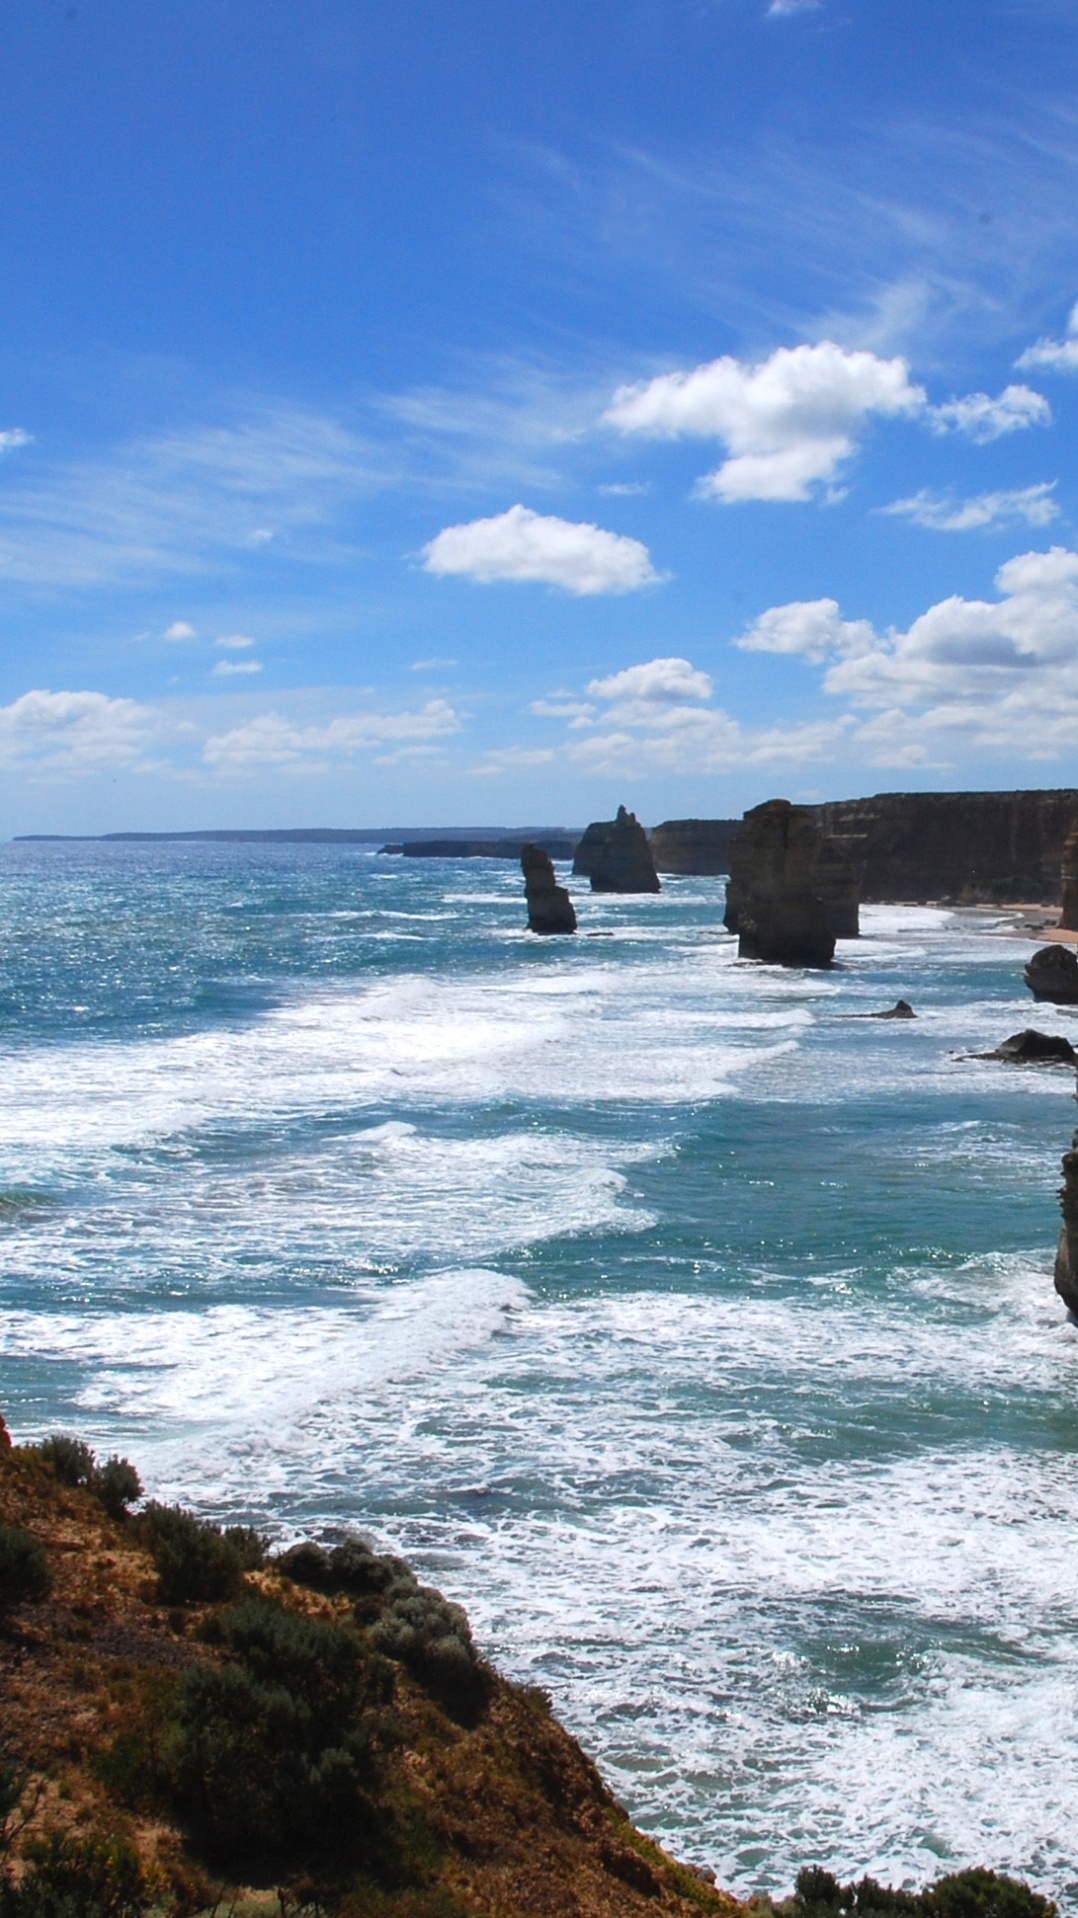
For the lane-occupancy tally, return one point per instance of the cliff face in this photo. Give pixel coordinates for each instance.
(772, 901)
(969, 848)
(1069, 873)
(700, 846)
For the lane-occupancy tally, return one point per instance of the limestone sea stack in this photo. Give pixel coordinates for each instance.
(773, 902)
(1052, 976)
(550, 908)
(615, 855)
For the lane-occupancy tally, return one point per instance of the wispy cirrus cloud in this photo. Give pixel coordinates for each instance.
(944, 513)
(1055, 356)
(272, 739)
(522, 545)
(189, 501)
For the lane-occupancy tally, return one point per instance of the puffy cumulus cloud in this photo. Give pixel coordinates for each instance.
(1059, 356)
(234, 642)
(270, 739)
(787, 422)
(660, 682)
(812, 628)
(179, 630)
(967, 675)
(660, 717)
(73, 732)
(945, 514)
(13, 436)
(983, 419)
(523, 545)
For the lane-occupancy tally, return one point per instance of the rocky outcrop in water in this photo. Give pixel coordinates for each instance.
(550, 909)
(615, 855)
(1033, 1048)
(900, 1010)
(772, 901)
(1052, 975)
(697, 846)
(956, 848)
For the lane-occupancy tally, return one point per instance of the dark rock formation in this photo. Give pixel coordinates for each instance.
(1052, 975)
(772, 900)
(817, 866)
(697, 846)
(1068, 918)
(550, 908)
(956, 848)
(900, 1010)
(1033, 1048)
(1066, 1272)
(614, 854)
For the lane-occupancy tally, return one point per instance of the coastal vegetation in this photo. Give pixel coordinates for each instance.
(192, 1724)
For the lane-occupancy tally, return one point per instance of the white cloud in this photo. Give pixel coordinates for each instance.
(983, 419)
(178, 630)
(969, 674)
(625, 489)
(272, 740)
(659, 717)
(227, 668)
(73, 732)
(811, 628)
(13, 436)
(945, 514)
(781, 7)
(523, 545)
(234, 642)
(787, 422)
(1060, 356)
(663, 682)
(432, 665)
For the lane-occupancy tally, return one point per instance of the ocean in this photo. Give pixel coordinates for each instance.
(692, 1330)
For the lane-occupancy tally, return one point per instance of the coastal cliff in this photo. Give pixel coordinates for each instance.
(693, 846)
(958, 848)
(197, 1722)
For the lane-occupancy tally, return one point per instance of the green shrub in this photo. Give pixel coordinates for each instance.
(195, 1562)
(432, 1638)
(93, 1877)
(249, 1546)
(71, 1460)
(24, 1570)
(275, 1755)
(117, 1485)
(307, 1564)
(976, 1893)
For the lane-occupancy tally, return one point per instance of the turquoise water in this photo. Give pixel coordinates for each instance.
(695, 1333)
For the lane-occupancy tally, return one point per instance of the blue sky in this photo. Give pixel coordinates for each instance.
(477, 413)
